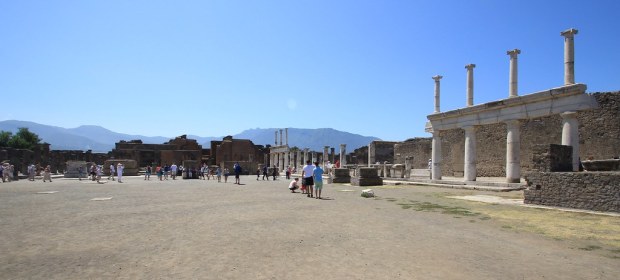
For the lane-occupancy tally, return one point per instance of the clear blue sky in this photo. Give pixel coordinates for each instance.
(213, 68)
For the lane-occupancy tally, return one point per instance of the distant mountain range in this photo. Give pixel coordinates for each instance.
(99, 139)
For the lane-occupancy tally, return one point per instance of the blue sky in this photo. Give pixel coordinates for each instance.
(213, 68)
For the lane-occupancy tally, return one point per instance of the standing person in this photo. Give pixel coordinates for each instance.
(237, 168)
(47, 173)
(119, 172)
(99, 173)
(265, 173)
(226, 173)
(274, 173)
(160, 172)
(147, 174)
(218, 172)
(166, 171)
(80, 171)
(31, 172)
(317, 175)
(93, 172)
(306, 174)
(173, 171)
(2, 172)
(288, 173)
(257, 173)
(111, 172)
(293, 185)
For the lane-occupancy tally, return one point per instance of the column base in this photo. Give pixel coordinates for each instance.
(513, 180)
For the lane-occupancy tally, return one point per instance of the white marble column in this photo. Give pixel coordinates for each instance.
(271, 158)
(299, 162)
(325, 155)
(306, 158)
(280, 137)
(313, 157)
(436, 156)
(513, 79)
(513, 151)
(470, 153)
(470, 84)
(276, 143)
(286, 131)
(287, 162)
(437, 92)
(570, 135)
(569, 55)
(343, 155)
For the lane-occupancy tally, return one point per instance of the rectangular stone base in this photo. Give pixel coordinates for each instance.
(357, 181)
(342, 180)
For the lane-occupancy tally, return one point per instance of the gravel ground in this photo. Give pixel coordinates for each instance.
(195, 229)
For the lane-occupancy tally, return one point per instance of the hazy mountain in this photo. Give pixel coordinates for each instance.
(99, 139)
(314, 139)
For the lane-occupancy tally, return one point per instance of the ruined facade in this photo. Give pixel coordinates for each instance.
(173, 151)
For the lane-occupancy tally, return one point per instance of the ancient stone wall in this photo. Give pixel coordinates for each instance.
(599, 137)
(598, 191)
(383, 151)
(231, 150)
(552, 158)
(418, 148)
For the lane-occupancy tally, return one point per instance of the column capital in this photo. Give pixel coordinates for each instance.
(437, 78)
(470, 66)
(470, 127)
(568, 33)
(513, 53)
(569, 115)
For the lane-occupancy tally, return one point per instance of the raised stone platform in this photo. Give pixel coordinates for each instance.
(341, 176)
(367, 176)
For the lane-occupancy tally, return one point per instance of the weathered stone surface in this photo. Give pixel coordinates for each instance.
(552, 158)
(341, 175)
(367, 176)
(598, 191)
(73, 167)
(601, 165)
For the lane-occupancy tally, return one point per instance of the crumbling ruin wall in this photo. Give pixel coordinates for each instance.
(418, 148)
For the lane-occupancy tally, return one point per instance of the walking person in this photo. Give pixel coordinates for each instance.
(218, 173)
(147, 174)
(119, 172)
(275, 173)
(307, 174)
(166, 171)
(47, 174)
(93, 172)
(237, 169)
(31, 172)
(317, 175)
(257, 173)
(111, 172)
(265, 173)
(288, 173)
(173, 171)
(80, 172)
(226, 173)
(99, 172)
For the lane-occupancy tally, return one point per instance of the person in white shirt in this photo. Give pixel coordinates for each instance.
(119, 172)
(111, 172)
(173, 170)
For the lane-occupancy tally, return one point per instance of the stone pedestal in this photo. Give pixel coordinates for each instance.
(341, 175)
(73, 169)
(367, 176)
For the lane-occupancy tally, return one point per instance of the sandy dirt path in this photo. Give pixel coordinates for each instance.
(191, 229)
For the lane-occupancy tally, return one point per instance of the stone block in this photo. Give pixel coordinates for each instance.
(73, 169)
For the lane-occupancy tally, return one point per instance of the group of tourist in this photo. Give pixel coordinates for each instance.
(7, 172)
(95, 172)
(312, 180)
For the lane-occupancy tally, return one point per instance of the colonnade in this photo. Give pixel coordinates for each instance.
(570, 124)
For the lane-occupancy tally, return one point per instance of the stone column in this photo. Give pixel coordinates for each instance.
(512, 84)
(306, 155)
(280, 137)
(333, 155)
(436, 156)
(569, 55)
(287, 162)
(286, 130)
(343, 155)
(570, 135)
(513, 150)
(470, 153)
(313, 157)
(299, 162)
(437, 78)
(371, 153)
(470, 84)
(276, 143)
(325, 156)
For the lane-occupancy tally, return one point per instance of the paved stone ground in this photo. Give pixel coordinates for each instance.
(191, 229)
